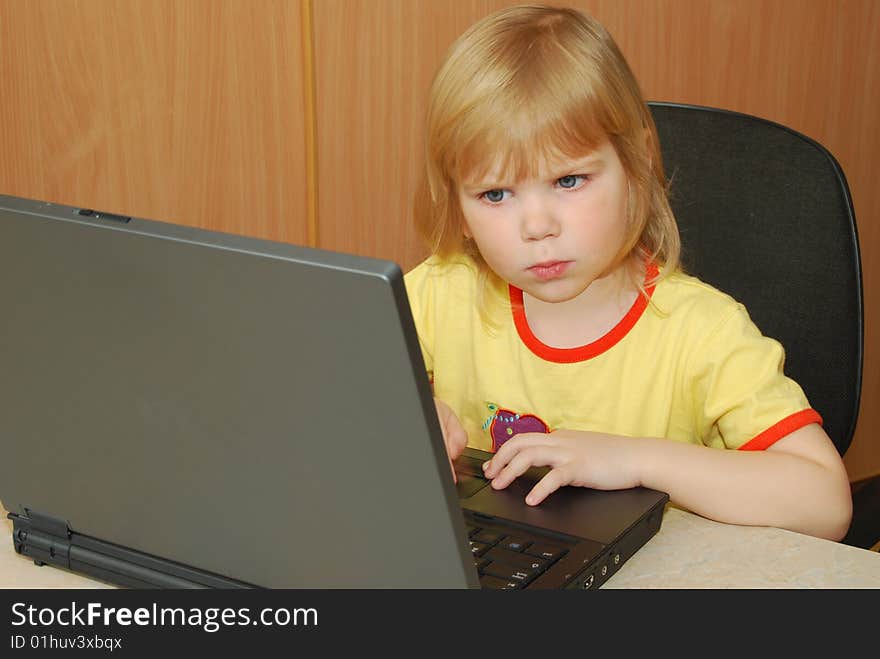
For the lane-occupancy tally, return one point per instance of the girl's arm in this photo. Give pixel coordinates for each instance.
(799, 483)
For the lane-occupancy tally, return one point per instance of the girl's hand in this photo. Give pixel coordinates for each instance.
(587, 459)
(454, 435)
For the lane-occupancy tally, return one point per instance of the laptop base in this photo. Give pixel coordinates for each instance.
(50, 542)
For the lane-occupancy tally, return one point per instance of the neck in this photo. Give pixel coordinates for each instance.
(585, 318)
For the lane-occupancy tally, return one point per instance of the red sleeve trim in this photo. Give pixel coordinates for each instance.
(779, 430)
(581, 353)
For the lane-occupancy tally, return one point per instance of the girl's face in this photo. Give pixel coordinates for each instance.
(555, 234)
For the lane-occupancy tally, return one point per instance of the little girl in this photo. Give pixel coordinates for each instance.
(555, 322)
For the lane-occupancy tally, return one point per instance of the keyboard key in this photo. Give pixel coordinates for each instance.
(550, 552)
(494, 583)
(515, 559)
(510, 573)
(488, 537)
(480, 564)
(513, 543)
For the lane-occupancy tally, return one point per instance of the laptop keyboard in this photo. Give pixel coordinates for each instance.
(510, 560)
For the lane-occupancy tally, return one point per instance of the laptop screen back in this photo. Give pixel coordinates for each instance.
(254, 409)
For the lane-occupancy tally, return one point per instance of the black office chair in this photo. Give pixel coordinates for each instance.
(765, 215)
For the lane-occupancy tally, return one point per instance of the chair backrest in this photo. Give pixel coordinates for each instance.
(765, 215)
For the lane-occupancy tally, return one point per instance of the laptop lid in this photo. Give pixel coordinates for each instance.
(253, 409)
(184, 407)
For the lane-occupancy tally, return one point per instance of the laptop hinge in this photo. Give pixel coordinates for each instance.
(45, 539)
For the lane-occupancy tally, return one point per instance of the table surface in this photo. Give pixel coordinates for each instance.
(688, 552)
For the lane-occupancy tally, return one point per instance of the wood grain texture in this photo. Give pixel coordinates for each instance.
(187, 111)
(810, 65)
(374, 63)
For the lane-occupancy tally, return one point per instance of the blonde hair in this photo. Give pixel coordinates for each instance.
(526, 85)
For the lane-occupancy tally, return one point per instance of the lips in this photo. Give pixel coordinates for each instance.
(549, 269)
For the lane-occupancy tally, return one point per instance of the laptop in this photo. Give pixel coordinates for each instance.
(185, 408)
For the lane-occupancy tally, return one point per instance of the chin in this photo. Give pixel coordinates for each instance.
(554, 292)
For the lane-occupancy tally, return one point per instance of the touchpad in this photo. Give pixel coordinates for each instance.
(469, 472)
(468, 485)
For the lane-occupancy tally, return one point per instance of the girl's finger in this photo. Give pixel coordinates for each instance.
(552, 481)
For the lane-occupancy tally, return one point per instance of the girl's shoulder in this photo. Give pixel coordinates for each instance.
(680, 294)
(445, 273)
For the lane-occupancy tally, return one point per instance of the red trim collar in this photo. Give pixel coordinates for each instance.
(580, 353)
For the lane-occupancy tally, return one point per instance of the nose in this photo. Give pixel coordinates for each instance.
(538, 221)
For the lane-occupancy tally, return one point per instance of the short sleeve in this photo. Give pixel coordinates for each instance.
(420, 293)
(742, 397)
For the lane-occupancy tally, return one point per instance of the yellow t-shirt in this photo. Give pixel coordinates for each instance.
(690, 366)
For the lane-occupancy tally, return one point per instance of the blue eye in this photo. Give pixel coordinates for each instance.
(494, 196)
(569, 181)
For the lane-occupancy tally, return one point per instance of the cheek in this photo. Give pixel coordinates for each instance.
(496, 245)
(479, 223)
(611, 208)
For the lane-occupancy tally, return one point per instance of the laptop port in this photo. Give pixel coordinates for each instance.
(588, 582)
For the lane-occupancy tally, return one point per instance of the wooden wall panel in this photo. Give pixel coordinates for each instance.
(374, 61)
(811, 65)
(188, 111)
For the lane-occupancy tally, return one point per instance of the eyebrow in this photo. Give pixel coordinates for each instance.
(564, 169)
(572, 166)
